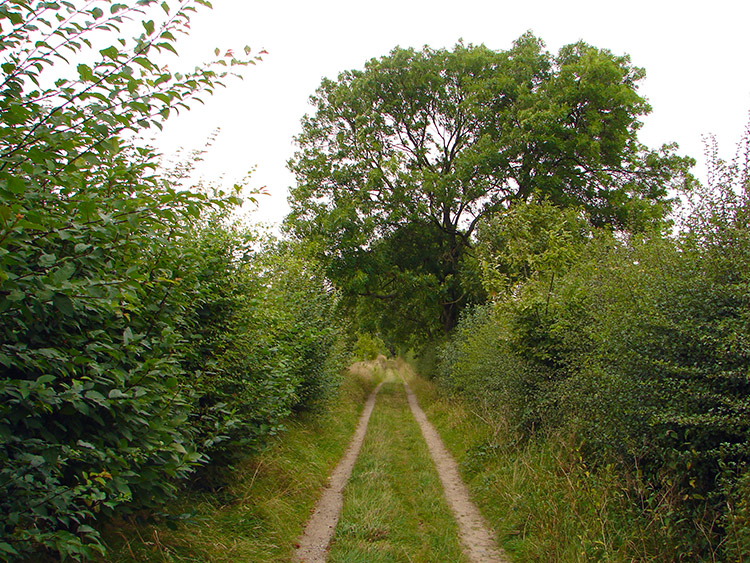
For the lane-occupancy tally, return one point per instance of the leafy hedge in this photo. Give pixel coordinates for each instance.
(639, 343)
(140, 337)
(261, 339)
(281, 351)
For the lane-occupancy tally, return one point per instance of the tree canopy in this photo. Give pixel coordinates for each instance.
(422, 144)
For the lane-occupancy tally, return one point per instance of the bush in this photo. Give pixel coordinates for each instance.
(638, 343)
(135, 340)
(264, 342)
(369, 347)
(92, 415)
(477, 360)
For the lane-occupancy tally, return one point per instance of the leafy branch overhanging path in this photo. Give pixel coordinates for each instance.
(475, 535)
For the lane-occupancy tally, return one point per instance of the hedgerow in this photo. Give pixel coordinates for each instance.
(139, 335)
(636, 342)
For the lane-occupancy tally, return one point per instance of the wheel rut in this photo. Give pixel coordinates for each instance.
(475, 535)
(313, 545)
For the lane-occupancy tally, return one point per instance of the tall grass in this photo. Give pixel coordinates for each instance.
(543, 500)
(260, 515)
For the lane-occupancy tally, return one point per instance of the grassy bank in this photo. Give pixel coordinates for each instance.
(394, 508)
(543, 501)
(259, 516)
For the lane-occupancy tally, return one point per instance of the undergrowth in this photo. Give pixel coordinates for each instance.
(260, 514)
(539, 495)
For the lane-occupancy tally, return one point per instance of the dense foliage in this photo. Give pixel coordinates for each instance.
(260, 340)
(145, 338)
(511, 186)
(402, 160)
(138, 336)
(639, 344)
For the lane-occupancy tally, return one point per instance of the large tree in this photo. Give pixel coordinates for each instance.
(400, 161)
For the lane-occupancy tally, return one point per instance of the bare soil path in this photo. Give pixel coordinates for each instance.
(313, 544)
(475, 535)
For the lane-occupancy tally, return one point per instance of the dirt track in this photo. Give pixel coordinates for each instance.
(475, 535)
(313, 545)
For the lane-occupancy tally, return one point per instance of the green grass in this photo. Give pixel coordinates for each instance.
(544, 502)
(394, 508)
(261, 514)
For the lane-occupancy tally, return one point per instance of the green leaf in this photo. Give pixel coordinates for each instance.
(47, 260)
(15, 296)
(167, 46)
(16, 185)
(111, 52)
(64, 304)
(64, 273)
(144, 62)
(85, 72)
(8, 549)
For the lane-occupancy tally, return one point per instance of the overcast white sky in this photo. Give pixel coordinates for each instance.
(696, 55)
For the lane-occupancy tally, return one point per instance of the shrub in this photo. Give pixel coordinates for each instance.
(265, 342)
(92, 415)
(369, 347)
(638, 343)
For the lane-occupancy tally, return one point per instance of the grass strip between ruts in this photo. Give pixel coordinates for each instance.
(394, 507)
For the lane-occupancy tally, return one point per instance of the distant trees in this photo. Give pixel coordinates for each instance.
(401, 161)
